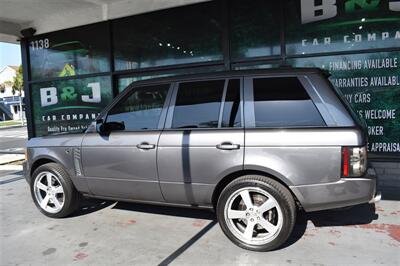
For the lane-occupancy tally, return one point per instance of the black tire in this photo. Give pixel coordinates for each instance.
(281, 195)
(72, 197)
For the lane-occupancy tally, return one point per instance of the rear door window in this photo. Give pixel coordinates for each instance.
(198, 104)
(283, 102)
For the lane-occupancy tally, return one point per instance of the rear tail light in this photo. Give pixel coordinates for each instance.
(354, 161)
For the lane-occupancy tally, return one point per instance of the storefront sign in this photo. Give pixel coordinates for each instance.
(371, 84)
(69, 106)
(331, 25)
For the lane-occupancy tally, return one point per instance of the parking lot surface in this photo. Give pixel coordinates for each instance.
(114, 233)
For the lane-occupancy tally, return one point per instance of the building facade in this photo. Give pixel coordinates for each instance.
(10, 101)
(72, 74)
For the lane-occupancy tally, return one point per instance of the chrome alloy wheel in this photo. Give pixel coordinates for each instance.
(253, 215)
(49, 192)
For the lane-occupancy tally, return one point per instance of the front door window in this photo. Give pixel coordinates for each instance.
(141, 108)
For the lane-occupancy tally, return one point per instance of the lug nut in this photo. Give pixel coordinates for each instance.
(252, 220)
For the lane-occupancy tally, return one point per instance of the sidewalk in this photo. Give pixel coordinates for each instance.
(12, 125)
(10, 158)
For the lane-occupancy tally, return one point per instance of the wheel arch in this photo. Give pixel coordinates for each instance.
(42, 160)
(232, 176)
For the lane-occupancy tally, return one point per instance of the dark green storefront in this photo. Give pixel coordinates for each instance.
(72, 74)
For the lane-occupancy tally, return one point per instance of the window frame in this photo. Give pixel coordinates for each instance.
(249, 101)
(127, 93)
(171, 107)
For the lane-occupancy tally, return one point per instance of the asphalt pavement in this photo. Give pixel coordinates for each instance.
(117, 233)
(13, 140)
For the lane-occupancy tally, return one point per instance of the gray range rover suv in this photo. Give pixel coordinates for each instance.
(255, 145)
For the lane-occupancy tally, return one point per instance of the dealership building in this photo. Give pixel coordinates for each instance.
(77, 56)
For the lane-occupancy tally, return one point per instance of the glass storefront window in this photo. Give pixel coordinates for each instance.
(370, 82)
(255, 28)
(328, 26)
(68, 105)
(70, 52)
(180, 35)
(123, 82)
(255, 66)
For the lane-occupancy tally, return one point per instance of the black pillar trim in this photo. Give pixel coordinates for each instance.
(27, 89)
(283, 3)
(114, 81)
(225, 23)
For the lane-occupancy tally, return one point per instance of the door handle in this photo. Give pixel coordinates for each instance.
(228, 146)
(145, 146)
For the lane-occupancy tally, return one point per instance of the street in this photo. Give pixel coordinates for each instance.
(13, 140)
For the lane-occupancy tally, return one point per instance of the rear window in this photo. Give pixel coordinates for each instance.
(283, 102)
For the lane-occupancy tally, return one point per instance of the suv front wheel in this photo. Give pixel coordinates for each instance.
(53, 192)
(256, 213)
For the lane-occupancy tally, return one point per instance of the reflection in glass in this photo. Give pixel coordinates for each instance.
(231, 116)
(181, 35)
(126, 81)
(70, 52)
(141, 109)
(255, 28)
(198, 104)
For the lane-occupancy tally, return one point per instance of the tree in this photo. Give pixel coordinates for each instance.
(18, 82)
(4, 85)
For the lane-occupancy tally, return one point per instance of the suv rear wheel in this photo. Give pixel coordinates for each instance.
(53, 192)
(256, 213)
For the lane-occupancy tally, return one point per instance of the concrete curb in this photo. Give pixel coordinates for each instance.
(11, 167)
(10, 158)
(8, 127)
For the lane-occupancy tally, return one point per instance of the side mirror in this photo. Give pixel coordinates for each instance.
(107, 127)
(99, 125)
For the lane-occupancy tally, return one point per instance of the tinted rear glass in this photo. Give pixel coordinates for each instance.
(198, 104)
(283, 102)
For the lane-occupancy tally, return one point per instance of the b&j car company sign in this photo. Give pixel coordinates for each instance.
(69, 105)
(331, 25)
(370, 81)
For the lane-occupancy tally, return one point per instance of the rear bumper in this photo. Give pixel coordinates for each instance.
(345, 192)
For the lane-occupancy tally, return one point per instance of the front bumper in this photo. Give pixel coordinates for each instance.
(345, 192)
